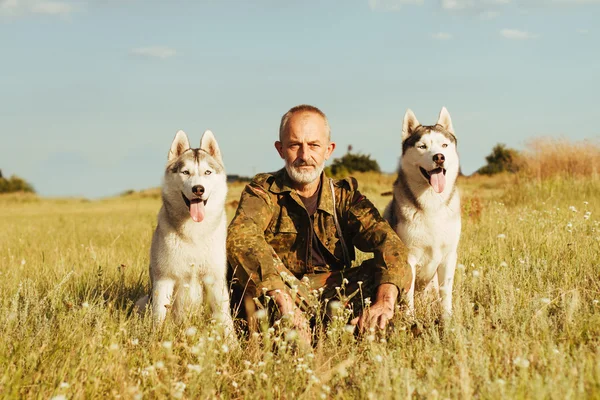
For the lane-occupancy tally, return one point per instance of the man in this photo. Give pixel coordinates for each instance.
(294, 232)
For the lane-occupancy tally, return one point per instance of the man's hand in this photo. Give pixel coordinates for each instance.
(286, 306)
(381, 311)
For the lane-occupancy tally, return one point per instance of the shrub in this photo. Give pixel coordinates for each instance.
(502, 159)
(350, 163)
(15, 184)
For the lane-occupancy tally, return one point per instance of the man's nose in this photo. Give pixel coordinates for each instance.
(303, 152)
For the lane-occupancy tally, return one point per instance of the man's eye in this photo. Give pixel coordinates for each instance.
(185, 172)
(207, 172)
(445, 145)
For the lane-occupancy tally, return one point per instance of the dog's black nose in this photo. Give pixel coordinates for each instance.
(198, 190)
(439, 159)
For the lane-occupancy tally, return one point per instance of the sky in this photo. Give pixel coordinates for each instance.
(93, 91)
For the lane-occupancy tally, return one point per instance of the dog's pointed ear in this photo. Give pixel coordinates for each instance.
(179, 145)
(409, 124)
(445, 121)
(208, 143)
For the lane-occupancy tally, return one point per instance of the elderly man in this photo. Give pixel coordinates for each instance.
(295, 230)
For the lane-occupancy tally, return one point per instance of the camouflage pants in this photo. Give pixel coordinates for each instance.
(352, 287)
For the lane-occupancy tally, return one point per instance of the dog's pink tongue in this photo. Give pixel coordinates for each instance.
(197, 210)
(437, 180)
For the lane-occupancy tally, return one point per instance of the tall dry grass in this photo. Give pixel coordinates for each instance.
(551, 157)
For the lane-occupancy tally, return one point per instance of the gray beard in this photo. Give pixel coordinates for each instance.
(304, 177)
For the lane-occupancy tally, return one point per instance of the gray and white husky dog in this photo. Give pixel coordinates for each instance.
(425, 209)
(187, 258)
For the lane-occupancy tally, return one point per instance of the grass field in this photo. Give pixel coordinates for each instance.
(526, 321)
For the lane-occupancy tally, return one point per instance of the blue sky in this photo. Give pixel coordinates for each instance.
(93, 91)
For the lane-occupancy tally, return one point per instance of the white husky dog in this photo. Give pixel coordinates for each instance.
(187, 258)
(425, 210)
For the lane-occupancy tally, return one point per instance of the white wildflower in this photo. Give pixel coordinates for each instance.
(378, 358)
(234, 384)
(194, 368)
(113, 347)
(335, 305)
(263, 376)
(545, 300)
(159, 365)
(461, 267)
(501, 236)
(521, 362)
(504, 264)
(64, 385)
(59, 397)
(178, 389)
(167, 345)
(191, 331)
(225, 348)
(23, 262)
(475, 274)
(85, 304)
(261, 314)
(291, 335)
(572, 208)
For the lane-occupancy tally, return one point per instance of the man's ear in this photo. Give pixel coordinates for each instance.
(330, 149)
(279, 147)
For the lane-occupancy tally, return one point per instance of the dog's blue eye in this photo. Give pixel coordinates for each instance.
(207, 172)
(185, 172)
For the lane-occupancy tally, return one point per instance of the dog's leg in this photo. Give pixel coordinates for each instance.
(410, 296)
(140, 305)
(446, 281)
(218, 299)
(432, 290)
(162, 294)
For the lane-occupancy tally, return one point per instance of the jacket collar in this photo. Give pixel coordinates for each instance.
(283, 184)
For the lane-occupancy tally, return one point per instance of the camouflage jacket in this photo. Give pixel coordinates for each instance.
(271, 230)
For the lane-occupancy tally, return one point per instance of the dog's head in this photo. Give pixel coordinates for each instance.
(194, 176)
(429, 150)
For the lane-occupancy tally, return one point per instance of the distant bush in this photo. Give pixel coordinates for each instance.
(350, 163)
(14, 184)
(548, 157)
(502, 159)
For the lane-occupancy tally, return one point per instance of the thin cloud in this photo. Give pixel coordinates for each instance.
(154, 52)
(515, 34)
(583, 31)
(18, 8)
(392, 5)
(441, 36)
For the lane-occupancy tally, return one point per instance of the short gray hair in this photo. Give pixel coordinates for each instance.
(285, 120)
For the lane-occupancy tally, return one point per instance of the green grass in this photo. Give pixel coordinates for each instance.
(526, 318)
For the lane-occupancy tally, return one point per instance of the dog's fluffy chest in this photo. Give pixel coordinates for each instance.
(191, 250)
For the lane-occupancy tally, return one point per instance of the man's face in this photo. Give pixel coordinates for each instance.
(305, 147)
